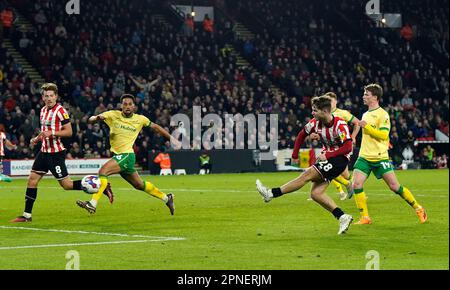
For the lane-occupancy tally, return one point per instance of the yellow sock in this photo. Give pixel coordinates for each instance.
(104, 183)
(361, 202)
(154, 191)
(337, 185)
(406, 194)
(342, 180)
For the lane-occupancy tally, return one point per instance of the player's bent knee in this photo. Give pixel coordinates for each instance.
(357, 184)
(32, 182)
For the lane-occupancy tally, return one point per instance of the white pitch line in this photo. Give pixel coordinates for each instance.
(78, 244)
(92, 233)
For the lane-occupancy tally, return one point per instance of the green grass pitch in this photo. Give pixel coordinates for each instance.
(221, 223)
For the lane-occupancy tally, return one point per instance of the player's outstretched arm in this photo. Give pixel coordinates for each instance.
(95, 119)
(161, 131)
(136, 82)
(154, 82)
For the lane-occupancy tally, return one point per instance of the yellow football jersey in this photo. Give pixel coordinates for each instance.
(373, 149)
(123, 130)
(343, 114)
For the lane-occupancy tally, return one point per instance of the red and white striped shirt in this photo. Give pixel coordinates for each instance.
(336, 138)
(52, 120)
(332, 137)
(2, 144)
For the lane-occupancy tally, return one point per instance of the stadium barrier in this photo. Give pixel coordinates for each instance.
(223, 161)
(74, 166)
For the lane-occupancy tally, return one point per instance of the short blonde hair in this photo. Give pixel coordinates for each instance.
(331, 95)
(375, 89)
(49, 87)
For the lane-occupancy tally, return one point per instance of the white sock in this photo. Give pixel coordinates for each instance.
(165, 199)
(27, 215)
(93, 202)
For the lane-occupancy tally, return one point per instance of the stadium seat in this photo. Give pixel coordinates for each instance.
(166, 172)
(180, 172)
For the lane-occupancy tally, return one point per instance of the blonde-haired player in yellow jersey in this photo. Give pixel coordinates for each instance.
(124, 127)
(344, 178)
(374, 157)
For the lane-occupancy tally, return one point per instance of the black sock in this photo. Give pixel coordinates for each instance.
(77, 185)
(30, 197)
(276, 192)
(337, 212)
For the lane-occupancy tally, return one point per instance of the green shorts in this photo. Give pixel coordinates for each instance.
(126, 162)
(379, 168)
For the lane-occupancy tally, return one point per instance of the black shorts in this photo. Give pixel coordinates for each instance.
(331, 168)
(55, 162)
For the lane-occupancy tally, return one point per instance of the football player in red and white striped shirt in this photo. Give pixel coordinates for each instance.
(4, 142)
(55, 124)
(335, 136)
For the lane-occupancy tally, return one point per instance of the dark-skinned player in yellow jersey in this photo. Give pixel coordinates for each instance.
(125, 126)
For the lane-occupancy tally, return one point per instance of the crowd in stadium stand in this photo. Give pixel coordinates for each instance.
(171, 68)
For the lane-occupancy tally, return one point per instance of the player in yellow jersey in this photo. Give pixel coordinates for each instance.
(124, 127)
(374, 157)
(344, 178)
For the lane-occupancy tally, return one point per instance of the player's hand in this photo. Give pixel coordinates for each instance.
(294, 161)
(36, 139)
(314, 136)
(46, 134)
(354, 141)
(101, 118)
(322, 157)
(362, 124)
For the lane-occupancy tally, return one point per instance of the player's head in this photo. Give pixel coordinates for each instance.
(128, 104)
(333, 97)
(372, 94)
(49, 93)
(321, 107)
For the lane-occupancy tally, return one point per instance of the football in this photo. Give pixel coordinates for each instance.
(90, 184)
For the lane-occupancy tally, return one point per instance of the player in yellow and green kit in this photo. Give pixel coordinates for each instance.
(373, 155)
(124, 127)
(344, 178)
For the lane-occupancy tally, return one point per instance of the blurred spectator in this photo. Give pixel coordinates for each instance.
(163, 159)
(407, 32)
(441, 161)
(205, 163)
(208, 24)
(407, 102)
(7, 18)
(188, 26)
